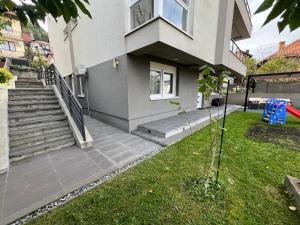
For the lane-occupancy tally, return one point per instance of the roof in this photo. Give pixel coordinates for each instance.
(291, 50)
(27, 37)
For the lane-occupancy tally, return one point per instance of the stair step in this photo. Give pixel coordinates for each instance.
(30, 97)
(27, 79)
(31, 91)
(33, 144)
(40, 119)
(38, 132)
(35, 113)
(37, 127)
(32, 102)
(38, 137)
(28, 86)
(33, 108)
(40, 149)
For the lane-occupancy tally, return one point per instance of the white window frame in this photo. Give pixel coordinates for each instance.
(163, 69)
(159, 12)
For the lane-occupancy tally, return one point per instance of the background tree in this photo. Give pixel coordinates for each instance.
(38, 32)
(36, 10)
(288, 10)
(39, 62)
(29, 54)
(251, 64)
(278, 64)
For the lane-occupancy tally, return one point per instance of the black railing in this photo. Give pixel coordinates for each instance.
(234, 48)
(53, 77)
(248, 8)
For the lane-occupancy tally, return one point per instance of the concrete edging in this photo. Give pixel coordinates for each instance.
(4, 139)
(78, 137)
(293, 187)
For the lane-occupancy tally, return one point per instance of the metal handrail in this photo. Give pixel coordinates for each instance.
(53, 77)
(234, 48)
(248, 8)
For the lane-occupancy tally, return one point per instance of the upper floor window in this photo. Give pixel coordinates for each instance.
(8, 46)
(175, 11)
(8, 28)
(141, 11)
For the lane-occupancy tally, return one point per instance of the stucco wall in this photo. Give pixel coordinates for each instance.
(121, 96)
(60, 45)
(141, 108)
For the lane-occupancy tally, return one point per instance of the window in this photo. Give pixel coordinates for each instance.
(12, 46)
(141, 11)
(4, 45)
(8, 46)
(162, 81)
(176, 11)
(8, 28)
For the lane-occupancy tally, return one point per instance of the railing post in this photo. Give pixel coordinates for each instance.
(69, 99)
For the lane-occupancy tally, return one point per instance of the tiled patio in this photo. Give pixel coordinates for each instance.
(33, 183)
(172, 129)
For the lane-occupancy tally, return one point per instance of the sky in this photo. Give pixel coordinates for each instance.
(265, 40)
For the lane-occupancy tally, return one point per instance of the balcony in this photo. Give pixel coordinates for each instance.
(177, 37)
(235, 50)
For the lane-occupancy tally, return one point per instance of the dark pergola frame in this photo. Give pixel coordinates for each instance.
(263, 75)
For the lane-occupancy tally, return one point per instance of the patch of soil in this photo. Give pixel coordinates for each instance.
(288, 137)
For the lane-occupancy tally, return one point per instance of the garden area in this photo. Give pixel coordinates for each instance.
(165, 189)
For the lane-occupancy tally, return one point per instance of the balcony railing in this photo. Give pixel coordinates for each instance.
(234, 48)
(248, 8)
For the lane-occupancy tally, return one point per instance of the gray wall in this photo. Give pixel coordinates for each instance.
(121, 96)
(107, 92)
(141, 108)
(239, 98)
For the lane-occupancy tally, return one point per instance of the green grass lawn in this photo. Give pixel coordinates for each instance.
(154, 192)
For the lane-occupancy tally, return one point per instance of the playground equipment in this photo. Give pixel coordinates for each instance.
(276, 109)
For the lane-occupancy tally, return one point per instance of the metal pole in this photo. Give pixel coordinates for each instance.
(247, 93)
(223, 130)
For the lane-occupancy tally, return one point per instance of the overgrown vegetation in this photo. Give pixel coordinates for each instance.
(38, 32)
(5, 75)
(273, 65)
(161, 190)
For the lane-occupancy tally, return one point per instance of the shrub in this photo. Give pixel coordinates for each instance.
(5, 75)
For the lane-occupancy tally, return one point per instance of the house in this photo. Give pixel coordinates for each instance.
(12, 44)
(140, 54)
(290, 51)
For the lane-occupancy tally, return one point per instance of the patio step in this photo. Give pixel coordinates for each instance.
(37, 123)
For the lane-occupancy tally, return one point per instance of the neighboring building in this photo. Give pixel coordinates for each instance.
(290, 51)
(139, 54)
(12, 44)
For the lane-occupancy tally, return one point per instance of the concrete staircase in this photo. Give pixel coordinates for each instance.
(28, 83)
(36, 122)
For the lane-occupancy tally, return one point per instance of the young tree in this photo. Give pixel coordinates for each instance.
(278, 64)
(288, 10)
(37, 10)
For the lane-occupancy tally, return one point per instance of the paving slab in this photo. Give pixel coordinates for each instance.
(32, 183)
(171, 130)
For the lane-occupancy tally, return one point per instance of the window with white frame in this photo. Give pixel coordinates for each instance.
(176, 11)
(8, 46)
(141, 11)
(162, 81)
